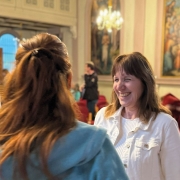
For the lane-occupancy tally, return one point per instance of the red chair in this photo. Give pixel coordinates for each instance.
(102, 98)
(102, 102)
(84, 110)
(82, 102)
(173, 103)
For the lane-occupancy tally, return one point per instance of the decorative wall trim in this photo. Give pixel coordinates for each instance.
(48, 4)
(10, 31)
(65, 5)
(32, 2)
(46, 11)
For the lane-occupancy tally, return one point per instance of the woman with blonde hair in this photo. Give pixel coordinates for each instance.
(39, 135)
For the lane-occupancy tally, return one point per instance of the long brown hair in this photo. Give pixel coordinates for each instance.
(136, 64)
(38, 107)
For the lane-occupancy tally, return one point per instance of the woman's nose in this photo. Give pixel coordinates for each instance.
(121, 85)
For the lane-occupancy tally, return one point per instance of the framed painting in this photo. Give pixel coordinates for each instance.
(171, 36)
(104, 44)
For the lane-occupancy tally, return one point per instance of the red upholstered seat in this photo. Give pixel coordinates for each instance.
(82, 102)
(85, 115)
(84, 110)
(102, 98)
(102, 102)
(173, 103)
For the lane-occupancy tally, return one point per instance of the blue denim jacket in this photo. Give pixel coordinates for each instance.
(85, 153)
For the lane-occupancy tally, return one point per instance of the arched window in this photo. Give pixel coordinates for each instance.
(9, 45)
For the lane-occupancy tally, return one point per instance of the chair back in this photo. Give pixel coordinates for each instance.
(102, 102)
(84, 110)
(173, 104)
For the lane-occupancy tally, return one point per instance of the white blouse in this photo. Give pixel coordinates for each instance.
(150, 151)
(127, 126)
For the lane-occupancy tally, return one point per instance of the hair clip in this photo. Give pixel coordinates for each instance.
(34, 52)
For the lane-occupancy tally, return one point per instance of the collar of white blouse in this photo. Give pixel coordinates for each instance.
(115, 118)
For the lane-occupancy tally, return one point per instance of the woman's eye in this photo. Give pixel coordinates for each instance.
(116, 80)
(127, 79)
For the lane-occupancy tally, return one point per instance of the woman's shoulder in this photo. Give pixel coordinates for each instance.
(85, 146)
(86, 133)
(101, 111)
(83, 140)
(164, 119)
(84, 127)
(100, 116)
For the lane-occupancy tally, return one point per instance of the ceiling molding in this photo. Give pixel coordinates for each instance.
(26, 25)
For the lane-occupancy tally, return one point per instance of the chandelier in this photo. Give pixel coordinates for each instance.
(108, 19)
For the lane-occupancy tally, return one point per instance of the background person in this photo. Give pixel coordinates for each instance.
(75, 90)
(40, 137)
(90, 87)
(143, 132)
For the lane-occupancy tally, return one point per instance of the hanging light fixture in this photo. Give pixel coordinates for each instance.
(108, 19)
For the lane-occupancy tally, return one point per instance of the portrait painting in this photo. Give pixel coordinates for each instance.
(104, 44)
(171, 51)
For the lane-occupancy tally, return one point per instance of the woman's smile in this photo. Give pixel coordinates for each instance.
(124, 94)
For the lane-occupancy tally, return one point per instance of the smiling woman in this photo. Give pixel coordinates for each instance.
(141, 129)
(128, 89)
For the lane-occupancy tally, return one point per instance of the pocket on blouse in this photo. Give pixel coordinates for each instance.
(147, 155)
(147, 150)
(147, 145)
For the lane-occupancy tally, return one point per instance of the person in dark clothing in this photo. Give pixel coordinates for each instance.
(90, 87)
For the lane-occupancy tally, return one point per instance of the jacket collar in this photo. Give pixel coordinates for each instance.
(140, 125)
